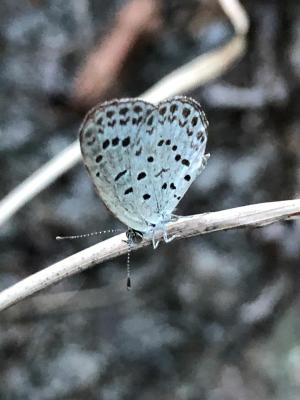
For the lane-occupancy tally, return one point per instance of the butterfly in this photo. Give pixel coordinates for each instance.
(142, 158)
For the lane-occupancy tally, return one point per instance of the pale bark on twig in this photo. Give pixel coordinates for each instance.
(38, 181)
(241, 217)
(193, 74)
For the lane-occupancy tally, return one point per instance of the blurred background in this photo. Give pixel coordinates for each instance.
(212, 317)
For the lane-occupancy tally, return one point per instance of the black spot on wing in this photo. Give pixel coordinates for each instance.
(163, 110)
(126, 141)
(91, 142)
(141, 175)
(185, 162)
(111, 124)
(129, 190)
(137, 109)
(150, 131)
(124, 110)
(182, 124)
(124, 122)
(186, 112)
(150, 120)
(110, 113)
(173, 108)
(120, 174)
(105, 144)
(115, 141)
(139, 151)
(194, 121)
(88, 133)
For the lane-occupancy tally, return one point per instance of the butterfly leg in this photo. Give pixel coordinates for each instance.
(204, 163)
(165, 235)
(155, 243)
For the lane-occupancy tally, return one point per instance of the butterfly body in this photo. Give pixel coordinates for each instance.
(142, 158)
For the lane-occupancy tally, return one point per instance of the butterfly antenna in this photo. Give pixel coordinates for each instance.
(129, 243)
(85, 235)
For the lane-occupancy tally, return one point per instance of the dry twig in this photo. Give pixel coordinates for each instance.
(241, 217)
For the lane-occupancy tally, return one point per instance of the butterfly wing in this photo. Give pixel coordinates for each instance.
(142, 158)
(108, 140)
(172, 154)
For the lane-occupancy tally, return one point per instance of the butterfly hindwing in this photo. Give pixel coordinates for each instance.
(107, 139)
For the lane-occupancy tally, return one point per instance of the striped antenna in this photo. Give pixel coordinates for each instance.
(86, 235)
(129, 243)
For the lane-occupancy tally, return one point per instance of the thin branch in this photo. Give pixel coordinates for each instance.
(103, 65)
(247, 216)
(237, 15)
(38, 181)
(193, 74)
(197, 72)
